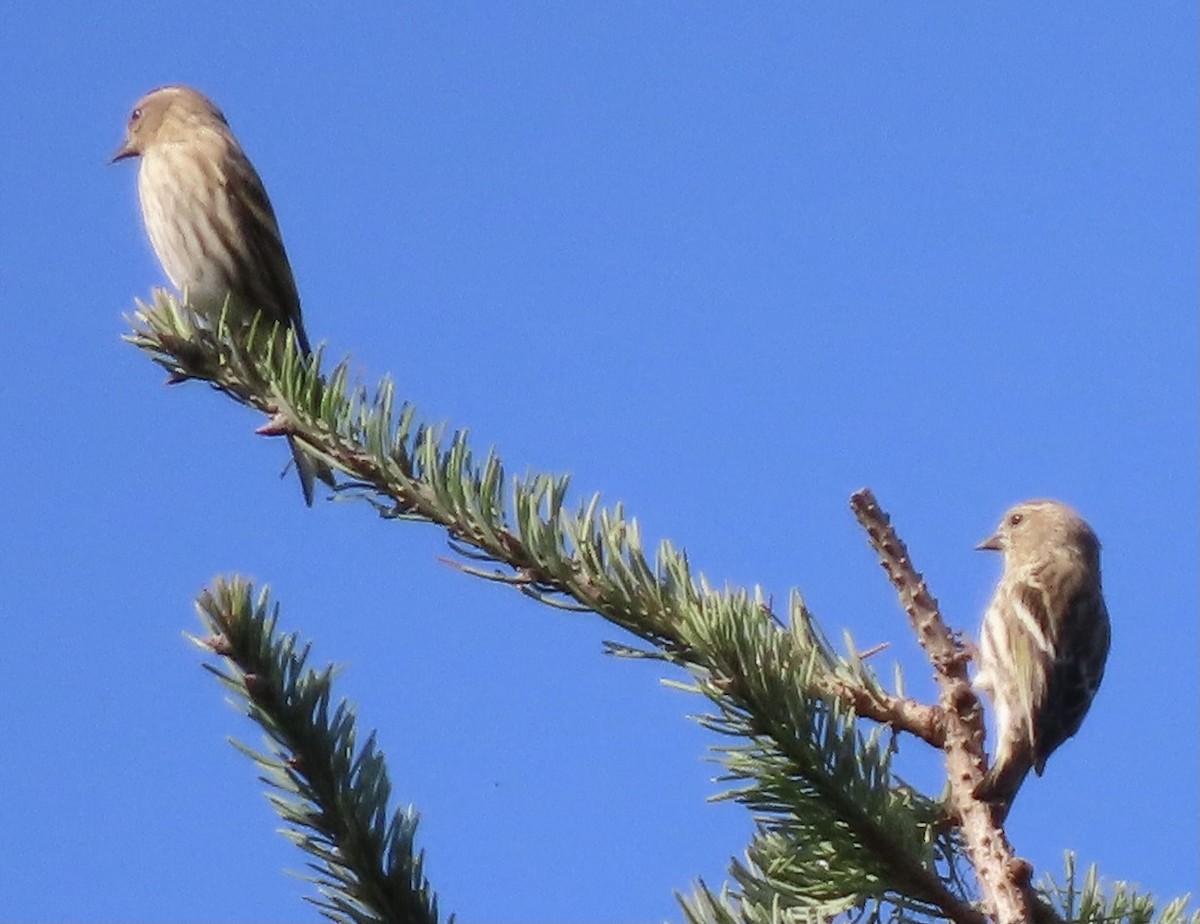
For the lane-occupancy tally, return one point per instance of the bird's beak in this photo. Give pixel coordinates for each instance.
(992, 543)
(124, 151)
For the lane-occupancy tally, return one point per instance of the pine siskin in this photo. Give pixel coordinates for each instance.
(210, 222)
(1044, 639)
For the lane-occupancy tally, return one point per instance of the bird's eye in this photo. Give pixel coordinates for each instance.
(135, 116)
(1016, 519)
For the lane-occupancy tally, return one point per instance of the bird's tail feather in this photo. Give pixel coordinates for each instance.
(999, 786)
(309, 469)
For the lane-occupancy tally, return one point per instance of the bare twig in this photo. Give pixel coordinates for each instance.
(901, 713)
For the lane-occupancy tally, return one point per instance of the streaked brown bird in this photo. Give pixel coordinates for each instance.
(1044, 640)
(210, 222)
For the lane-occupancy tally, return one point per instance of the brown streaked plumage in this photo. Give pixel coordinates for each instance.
(210, 222)
(1044, 640)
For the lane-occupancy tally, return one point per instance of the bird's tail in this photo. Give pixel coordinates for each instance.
(309, 468)
(999, 786)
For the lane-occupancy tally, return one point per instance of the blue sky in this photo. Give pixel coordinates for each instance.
(725, 266)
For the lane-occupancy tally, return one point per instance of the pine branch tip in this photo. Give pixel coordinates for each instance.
(280, 424)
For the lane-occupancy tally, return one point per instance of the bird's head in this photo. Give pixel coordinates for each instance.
(1033, 529)
(165, 116)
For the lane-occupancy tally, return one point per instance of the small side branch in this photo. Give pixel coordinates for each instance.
(901, 713)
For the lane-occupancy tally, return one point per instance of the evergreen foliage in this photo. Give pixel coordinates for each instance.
(805, 734)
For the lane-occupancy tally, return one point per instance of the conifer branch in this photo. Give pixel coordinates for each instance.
(332, 794)
(593, 557)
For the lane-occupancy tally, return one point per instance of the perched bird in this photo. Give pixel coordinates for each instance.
(1044, 639)
(210, 222)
